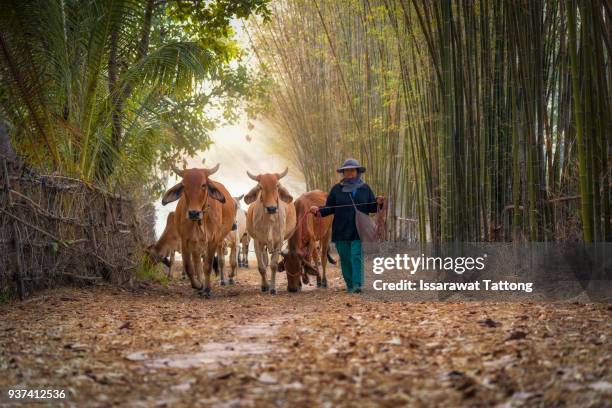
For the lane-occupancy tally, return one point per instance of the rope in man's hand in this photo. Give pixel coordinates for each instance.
(315, 209)
(381, 214)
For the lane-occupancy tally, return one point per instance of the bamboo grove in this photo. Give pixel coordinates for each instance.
(480, 120)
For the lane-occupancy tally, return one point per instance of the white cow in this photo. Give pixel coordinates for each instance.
(270, 221)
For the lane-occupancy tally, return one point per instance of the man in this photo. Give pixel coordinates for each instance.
(349, 194)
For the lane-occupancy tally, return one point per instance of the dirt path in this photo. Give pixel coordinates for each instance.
(165, 346)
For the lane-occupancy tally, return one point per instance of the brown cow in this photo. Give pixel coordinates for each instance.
(298, 260)
(270, 221)
(204, 214)
(168, 243)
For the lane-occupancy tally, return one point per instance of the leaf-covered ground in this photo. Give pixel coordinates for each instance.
(165, 346)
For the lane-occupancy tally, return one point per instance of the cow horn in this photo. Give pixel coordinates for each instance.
(214, 169)
(252, 176)
(177, 171)
(283, 174)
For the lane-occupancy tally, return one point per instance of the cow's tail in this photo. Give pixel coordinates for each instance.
(329, 258)
(215, 265)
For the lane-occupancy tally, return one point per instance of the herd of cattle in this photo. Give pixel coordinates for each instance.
(208, 222)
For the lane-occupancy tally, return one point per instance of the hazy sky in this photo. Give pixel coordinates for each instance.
(237, 155)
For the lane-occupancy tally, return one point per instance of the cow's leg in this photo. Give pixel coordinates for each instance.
(323, 255)
(274, 266)
(170, 266)
(197, 265)
(262, 263)
(206, 267)
(233, 264)
(246, 257)
(221, 262)
(191, 269)
(312, 259)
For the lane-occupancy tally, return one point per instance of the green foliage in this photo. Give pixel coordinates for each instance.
(148, 272)
(5, 294)
(117, 91)
(209, 22)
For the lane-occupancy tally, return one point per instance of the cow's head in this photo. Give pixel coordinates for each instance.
(297, 267)
(154, 257)
(271, 190)
(292, 265)
(196, 188)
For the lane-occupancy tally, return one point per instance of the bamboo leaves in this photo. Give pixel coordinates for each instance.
(481, 120)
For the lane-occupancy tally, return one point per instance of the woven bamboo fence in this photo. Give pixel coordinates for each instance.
(56, 230)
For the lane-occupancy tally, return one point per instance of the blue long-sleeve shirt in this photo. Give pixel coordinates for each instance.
(343, 226)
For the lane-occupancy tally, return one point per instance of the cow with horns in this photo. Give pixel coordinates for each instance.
(270, 221)
(204, 215)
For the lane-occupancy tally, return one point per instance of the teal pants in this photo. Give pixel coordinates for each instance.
(351, 262)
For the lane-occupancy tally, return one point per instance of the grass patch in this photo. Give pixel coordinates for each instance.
(5, 295)
(153, 273)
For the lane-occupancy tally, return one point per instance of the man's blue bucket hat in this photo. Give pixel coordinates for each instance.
(351, 164)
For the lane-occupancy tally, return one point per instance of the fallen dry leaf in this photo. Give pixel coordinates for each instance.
(517, 335)
(155, 345)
